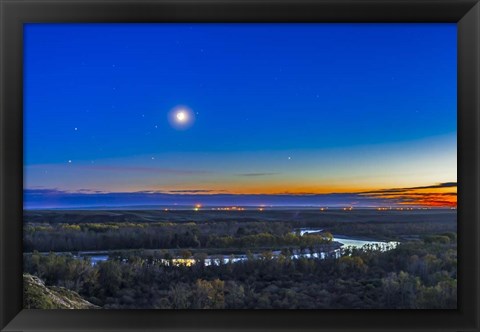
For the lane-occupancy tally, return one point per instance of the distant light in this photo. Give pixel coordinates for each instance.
(69, 161)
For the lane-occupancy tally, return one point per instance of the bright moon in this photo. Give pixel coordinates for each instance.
(181, 117)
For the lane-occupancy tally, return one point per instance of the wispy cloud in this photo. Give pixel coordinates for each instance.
(439, 185)
(194, 191)
(400, 190)
(183, 191)
(256, 174)
(431, 195)
(413, 194)
(43, 191)
(150, 170)
(90, 191)
(56, 191)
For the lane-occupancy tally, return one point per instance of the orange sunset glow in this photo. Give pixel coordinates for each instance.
(441, 195)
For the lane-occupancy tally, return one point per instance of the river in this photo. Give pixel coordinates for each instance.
(345, 242)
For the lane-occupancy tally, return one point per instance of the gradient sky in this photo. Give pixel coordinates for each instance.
(291, 109)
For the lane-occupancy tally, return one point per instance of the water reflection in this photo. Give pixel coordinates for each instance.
(346, 244)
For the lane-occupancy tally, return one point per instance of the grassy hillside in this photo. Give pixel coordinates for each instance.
(39, 296)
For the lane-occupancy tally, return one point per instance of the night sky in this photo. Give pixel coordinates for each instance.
(310, 114)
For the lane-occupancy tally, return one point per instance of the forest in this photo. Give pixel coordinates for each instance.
(421, 272)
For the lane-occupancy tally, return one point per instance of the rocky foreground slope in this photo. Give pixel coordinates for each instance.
(36, 295)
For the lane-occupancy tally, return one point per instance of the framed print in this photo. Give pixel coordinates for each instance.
(223, 165)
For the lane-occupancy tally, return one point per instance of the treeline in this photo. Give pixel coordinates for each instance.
(417, 274)
(231, 234)
(390, 230)
(61, 231)
(95, 236)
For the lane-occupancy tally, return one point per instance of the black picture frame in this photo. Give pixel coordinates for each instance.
(14, 13)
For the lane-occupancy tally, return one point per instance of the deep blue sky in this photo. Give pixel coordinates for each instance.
(278, 107)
